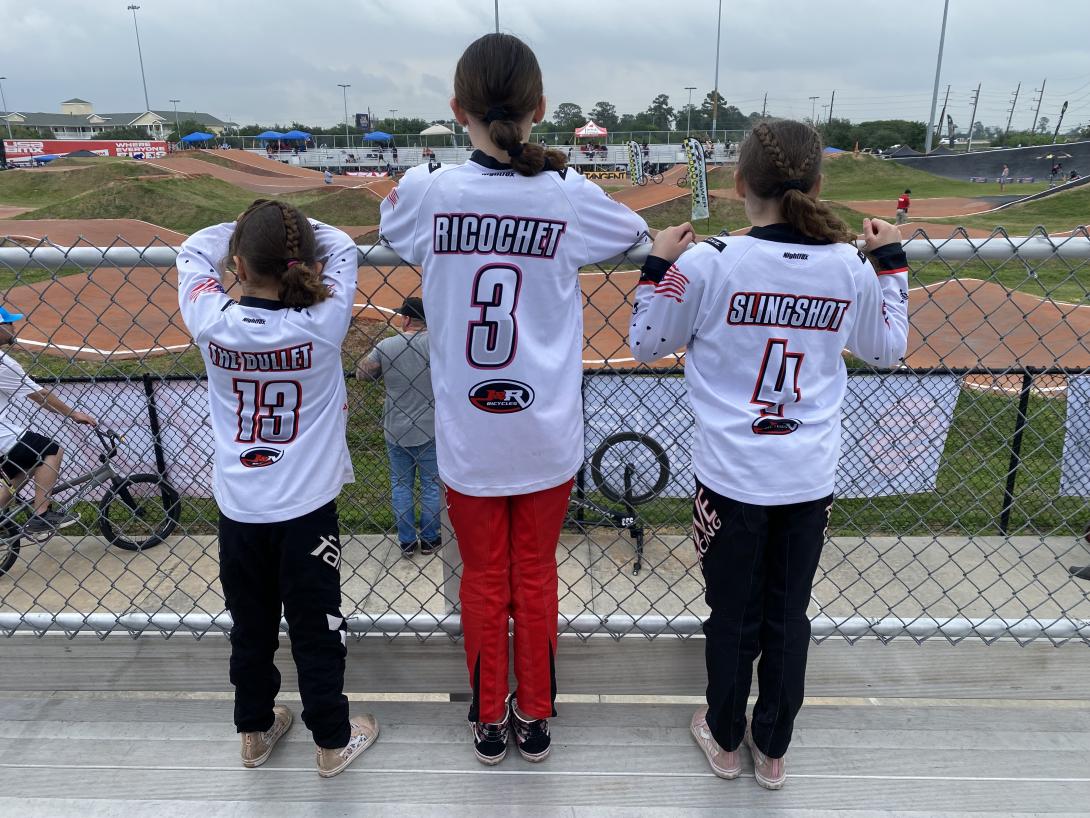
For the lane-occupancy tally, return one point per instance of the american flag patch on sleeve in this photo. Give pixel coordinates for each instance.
(205, 286)
(672, 285)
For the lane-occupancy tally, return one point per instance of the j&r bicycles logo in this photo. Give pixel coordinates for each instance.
(775, 426)
(501, 397)
(260, 457)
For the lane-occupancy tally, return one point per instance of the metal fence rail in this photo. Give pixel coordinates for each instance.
(961, 491)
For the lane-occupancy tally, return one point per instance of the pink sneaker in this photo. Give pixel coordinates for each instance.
(724, 764)
(769, 772)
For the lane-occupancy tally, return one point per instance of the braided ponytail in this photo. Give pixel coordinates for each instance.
(278, 245)
(782, 160)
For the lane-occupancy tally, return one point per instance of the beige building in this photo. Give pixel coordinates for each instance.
(77, 120)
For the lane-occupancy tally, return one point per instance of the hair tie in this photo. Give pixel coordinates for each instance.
(496, 113)
(292, 262)
(516, 151)
(792, 184)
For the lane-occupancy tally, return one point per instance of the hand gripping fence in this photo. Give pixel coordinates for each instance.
(961, 494)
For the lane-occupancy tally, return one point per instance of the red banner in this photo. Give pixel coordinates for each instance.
(29, 148)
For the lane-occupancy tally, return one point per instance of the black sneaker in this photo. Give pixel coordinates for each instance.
(532, 737)
(490, 740)
(50, 521)
(408, 549)
(429, 547)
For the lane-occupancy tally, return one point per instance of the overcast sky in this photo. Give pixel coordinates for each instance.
(276, 61)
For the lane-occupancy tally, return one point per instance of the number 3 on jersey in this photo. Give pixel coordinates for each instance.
(493, 337)
(778, 381)
(267, 411)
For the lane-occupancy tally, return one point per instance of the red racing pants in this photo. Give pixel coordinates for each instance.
(508, 547)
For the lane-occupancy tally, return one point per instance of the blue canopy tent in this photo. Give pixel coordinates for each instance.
(266, 135)
(197, 136)
(296, 135)
(377, 136)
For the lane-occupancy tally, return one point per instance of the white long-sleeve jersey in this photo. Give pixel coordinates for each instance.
(500, 256)
(764, 318)
(276, 389)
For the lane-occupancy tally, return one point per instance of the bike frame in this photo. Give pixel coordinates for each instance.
(90, 480)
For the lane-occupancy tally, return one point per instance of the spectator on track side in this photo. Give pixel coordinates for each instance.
(903, 203)
(1004, 178)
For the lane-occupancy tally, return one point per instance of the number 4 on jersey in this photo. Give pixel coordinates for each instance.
(778, 381)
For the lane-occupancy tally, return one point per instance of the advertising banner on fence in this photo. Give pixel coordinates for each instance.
(635, 163)
(698, 177)
(893, 433)
(1075, 465)
(29, 148)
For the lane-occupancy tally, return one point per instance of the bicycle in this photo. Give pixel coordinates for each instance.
(683, 180)
(614, 457)
(138, 511)
(648, 174)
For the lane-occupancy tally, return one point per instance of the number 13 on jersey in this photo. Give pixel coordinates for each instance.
(492, 337)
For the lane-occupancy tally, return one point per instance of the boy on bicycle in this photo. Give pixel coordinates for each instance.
(25, 454)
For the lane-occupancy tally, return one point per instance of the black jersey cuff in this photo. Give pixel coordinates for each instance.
(654, 269)
(890, 258)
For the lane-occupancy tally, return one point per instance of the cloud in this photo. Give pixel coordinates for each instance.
(273, 62)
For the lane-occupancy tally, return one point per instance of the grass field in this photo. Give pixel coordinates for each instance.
(1064, 211)
(726, 214)
(188, 204)
(34, 188)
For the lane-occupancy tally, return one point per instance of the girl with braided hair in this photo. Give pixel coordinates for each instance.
(278, 408)
(765, 318)
(500, 240)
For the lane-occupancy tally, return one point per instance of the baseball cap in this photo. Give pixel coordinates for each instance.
(412, 307)
(9, 317)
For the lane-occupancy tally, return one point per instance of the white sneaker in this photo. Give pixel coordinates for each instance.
(770, 773)
(725, 764)
(256, 747)
(364, 733)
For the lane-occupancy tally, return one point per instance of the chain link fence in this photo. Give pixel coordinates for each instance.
(961, 491)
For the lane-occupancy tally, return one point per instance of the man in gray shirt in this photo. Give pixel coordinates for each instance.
(408, 421)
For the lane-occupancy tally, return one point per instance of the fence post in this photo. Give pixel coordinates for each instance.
(1016, 452)
(153, 423)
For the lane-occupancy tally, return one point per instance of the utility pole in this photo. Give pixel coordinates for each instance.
(942, 116)
(764, 106)
(1014, 102)
(344, 91)
(813, 110)
(1037, 113)
(689, 118)
(972, 117)
(831, 101)
(4, 102)
(140, 53)
(177, 127)
(938, 72)
(1056, 133)
(715, 90)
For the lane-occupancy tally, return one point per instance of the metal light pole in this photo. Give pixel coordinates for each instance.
(140, 54)
(177, 127)
(938, 71)
(715, 90)
(344, 90)
(4, 102)
(393, 112)
(689, 118)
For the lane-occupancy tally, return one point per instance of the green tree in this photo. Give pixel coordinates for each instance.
(126, 132)
(185, 126)
(568, 116)
(661, 112)
(1042, 124)
(27, 132)
(978, 130)
(605, 114)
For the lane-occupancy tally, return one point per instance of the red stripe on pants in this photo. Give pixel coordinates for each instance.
(508, 547)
